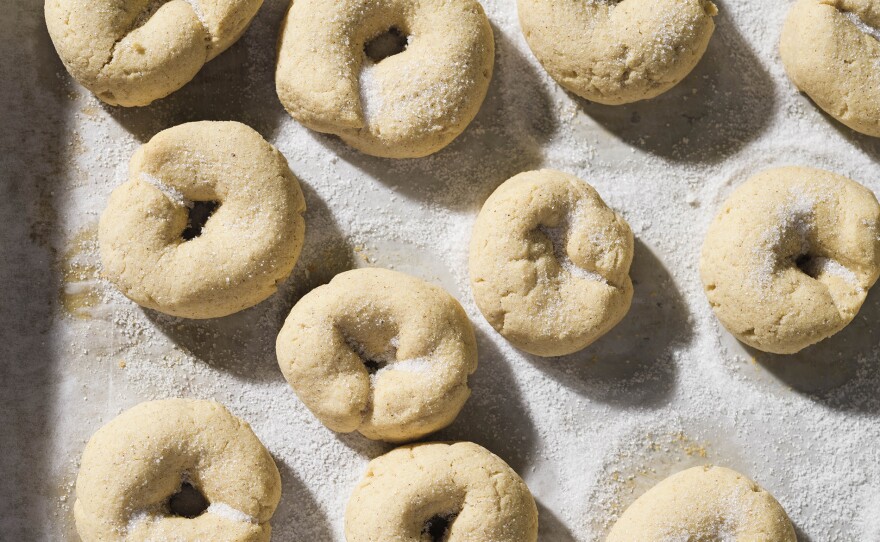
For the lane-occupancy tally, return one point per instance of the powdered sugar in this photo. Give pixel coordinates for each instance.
(795, 221)
(371, 92)
(170, 192)
(863, 27)
(227, 512)
(818, 267)
(559, 238)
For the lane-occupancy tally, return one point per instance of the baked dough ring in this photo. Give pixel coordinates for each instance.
(704, 503)
(617, 52)
(832, 53)
(414, 336)
(249, 244)
(131, 52)
(413, 492)
(407, 105)
(133, 466)
(549, 263)
(790, 257)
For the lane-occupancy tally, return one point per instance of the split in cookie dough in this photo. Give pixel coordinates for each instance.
(831, 51)
(549, 263)
(457, 492)
(394, 78)
(379, 352)
(131, 52)
(617, 52)
(704, 503)
(790, 257)
(176, 469)
(209, 222)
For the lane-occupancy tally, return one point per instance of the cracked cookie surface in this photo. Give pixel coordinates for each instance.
(135, 467)
(133, 52)
(249, 243)
(549, 263)
(617, 52)
(831, 51)
(704, 503)
(379, 352)
(455, 492)
(790, 256)
(408, 104)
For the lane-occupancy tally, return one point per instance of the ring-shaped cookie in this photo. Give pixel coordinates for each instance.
(133, 468)
(790, 257)
(379, 352)
(704, 503)
(831, 51)
(249, 244)
(131, 52)
(407, 105)
(549, 263)
(457, 492)
(617, 52)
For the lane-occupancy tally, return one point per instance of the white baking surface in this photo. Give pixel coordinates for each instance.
(664, 390)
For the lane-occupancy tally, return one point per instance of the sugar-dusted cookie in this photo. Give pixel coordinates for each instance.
(177, 469)
(790, 257)
(617, 52)
(156, 251)
(131, 52)
(379, 352)
(397, 78)
(457, 492)
(831, 51)
(704, 503)
(549, 263)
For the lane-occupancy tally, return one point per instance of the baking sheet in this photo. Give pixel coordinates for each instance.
(665, 389)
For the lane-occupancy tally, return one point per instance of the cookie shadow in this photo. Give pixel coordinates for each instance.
(35, 159)
(243, 344)
(298, 516)
(868, 144)
(238, 85)
(551, 528)
(801, 535)
(723, 104)
(633, 365)
(504, 139)
(841, 372)
(495, 416)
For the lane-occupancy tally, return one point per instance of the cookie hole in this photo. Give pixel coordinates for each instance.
(436, 529)
(558, 238)
(188, 502)
(199, 214)
(374, 362)
(389, 43)
(808, 265)
(373, 366)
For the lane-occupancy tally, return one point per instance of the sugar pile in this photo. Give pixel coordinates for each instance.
(666, 389)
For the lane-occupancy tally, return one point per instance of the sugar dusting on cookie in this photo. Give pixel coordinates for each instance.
(228, 512)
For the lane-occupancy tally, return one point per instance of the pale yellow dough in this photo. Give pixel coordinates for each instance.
(132, 466)
(704, 504)
(831, 51)
(549, 263)
(790, 257)
(476, 493)
(416, 335)
(407, 105)
(617, 52)
(131, 52)
(248, 245)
